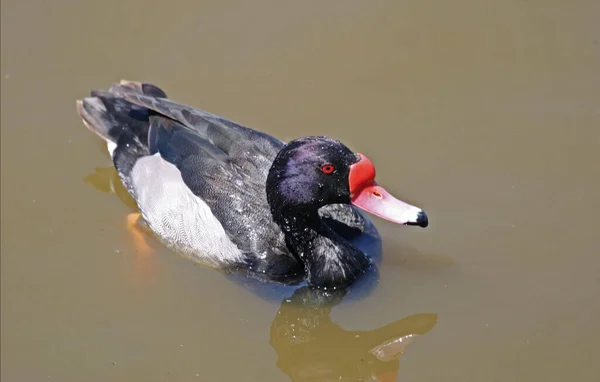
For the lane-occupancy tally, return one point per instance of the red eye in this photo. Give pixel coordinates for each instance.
(328, 169)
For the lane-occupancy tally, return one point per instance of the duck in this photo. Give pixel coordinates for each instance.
(239, 199)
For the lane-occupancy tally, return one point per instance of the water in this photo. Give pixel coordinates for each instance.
(484, 114)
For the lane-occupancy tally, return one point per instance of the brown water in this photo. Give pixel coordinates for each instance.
(486, 114)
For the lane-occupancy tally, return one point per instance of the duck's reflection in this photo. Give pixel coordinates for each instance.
(311, 347)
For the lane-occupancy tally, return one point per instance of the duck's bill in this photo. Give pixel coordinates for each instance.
(376, 200)
(371, 197)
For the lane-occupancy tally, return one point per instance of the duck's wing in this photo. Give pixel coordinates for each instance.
(227, 169)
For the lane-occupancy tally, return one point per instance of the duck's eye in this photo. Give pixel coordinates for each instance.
(328, 169)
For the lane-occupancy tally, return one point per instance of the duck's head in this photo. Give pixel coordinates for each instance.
(311, 172)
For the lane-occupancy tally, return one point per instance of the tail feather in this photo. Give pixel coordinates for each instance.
(88, 109)
(107, 114)
(122, 124)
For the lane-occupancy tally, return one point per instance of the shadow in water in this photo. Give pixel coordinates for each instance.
(311, 347)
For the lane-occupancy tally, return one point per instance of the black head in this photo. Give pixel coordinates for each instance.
(309, 173)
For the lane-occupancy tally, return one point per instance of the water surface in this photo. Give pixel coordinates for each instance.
(486, 114)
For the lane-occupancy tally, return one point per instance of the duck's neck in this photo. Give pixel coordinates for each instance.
(330, 261)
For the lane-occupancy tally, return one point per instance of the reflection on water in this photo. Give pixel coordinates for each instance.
(145, 268)
(311, 347)
(106, 179)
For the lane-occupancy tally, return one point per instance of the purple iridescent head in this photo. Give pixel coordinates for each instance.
(311, 172)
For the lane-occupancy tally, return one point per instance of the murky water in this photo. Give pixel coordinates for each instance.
(486, 114)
